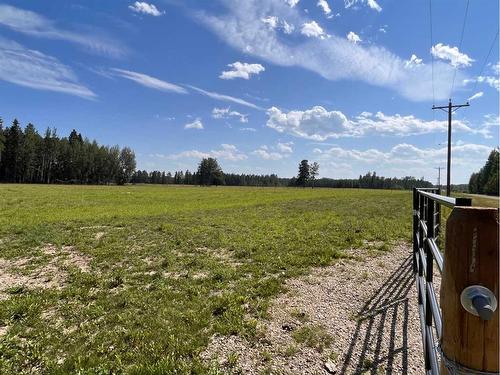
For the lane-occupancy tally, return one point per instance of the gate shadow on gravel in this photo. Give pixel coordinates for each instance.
(379, 344)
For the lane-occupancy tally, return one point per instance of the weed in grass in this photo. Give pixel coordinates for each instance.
(299, 315)
(266, 356)
(313, 336)
(290, 351)
(232, 360)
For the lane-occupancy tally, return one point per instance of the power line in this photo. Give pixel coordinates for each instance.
(486, 60)
(432, 56)
(460, 46)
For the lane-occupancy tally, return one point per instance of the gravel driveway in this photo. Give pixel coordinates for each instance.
(363, 309)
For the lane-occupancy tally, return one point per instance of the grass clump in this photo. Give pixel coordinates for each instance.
(313, 336)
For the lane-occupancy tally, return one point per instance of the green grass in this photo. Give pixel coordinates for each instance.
(313, 336)
(170, 267)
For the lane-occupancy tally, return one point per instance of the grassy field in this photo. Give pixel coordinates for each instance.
(136, 279)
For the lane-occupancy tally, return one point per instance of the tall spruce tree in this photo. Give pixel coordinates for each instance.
(304, 173)
(209, 172)
(12, 156)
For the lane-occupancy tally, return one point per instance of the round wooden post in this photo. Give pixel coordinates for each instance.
(471, 258)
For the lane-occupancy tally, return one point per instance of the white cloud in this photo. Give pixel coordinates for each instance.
(285, 147)
(224, 113)
(31, 23)
(319, 124)
(271, 21)
(496, 68)
(269, 153)
(248, 129)
(353, 37)
(226, 152)
(274, 23)
(266, 155)
(477, 95)
(312, 29)
(30, 68)
(196, 124)
(451, 54)
(333, 58)
(323, 4)
(292, 3)
(414, 61)
(370, 3)
(288, 28)
(242, 70)
(151, 82)
(225, 98)
(403, 160)
(316, 123)
(490, 80)
(145, 8)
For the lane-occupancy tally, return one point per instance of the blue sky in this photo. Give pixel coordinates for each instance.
(259, 84)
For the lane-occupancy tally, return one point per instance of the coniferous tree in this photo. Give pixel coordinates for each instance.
(30, 146)
(209, 172)
(12, 153)
(486, 180)
(2, 141)
(304, 173)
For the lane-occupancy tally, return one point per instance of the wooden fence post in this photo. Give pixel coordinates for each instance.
(471, 258)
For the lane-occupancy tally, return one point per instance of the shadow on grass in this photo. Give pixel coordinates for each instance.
(380, 341)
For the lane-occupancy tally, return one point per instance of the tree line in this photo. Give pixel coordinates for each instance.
(486, 180)
(28, 157)
(209, 172)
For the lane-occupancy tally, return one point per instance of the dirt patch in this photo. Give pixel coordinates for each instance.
(99, 235)
(95, 227)
(3, 330)
(222, 255)
(48, 276)
(73, 258)
(21, 272)
(366, 305)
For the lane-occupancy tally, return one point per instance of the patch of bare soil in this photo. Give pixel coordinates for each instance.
(222, 255)
(52, 275)
(367, 306)
(48, 276)
(99, 235)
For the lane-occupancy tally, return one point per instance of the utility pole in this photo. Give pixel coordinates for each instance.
(439, 178)
(450, 108)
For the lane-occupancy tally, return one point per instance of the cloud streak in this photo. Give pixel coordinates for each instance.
(161, 85)
(31, 23)
(33, 69)
(149, 81)
(224, 98)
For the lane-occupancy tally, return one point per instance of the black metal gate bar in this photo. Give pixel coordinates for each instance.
(426, 228)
